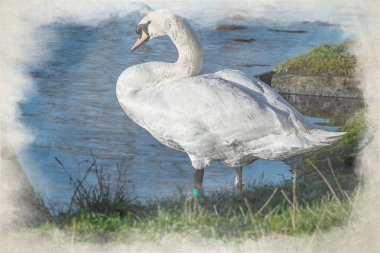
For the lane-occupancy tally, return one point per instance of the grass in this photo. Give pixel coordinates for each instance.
(107, 196)
(292, 208)
(325, 59)
(242, 224)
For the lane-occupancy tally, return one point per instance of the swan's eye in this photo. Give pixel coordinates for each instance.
(142, 27)
(139, 29)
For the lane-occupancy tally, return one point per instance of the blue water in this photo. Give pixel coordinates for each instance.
(75, 112)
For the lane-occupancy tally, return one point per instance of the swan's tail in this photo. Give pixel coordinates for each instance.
(283, 147)
(316, 139)
(321, 137)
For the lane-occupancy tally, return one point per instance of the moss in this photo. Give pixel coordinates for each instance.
(324, 59)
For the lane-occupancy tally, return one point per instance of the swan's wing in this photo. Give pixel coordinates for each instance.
(271, 95)
(209, 115)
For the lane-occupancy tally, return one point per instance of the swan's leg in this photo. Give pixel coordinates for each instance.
(239, 178)
(198, 180)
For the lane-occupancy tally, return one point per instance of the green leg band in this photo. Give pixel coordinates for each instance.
(196, 192)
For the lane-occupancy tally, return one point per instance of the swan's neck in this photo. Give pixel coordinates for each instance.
(151, 74)
(190, 56)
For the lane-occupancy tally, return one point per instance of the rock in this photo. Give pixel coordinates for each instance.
(253, 65)
(244, 40)
(230, 27)
(317, 85)
(237, 17)
(338, 109)
(286, 31)
(321, 23)
(266, 77)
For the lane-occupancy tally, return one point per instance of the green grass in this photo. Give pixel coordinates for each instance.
(318, 216)
(259, 210)
(296, 207)
(324, 59)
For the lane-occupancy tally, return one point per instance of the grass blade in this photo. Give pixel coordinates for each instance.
(324, 180)
(268, 201)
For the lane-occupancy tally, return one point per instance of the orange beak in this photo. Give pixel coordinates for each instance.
(140, 40)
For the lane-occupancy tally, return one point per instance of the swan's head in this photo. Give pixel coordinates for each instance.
(155, 24)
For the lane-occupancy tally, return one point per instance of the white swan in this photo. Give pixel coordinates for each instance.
(223, 116)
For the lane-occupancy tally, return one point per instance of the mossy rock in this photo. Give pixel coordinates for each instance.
(325, 59)
(317, 85)
(327, 70)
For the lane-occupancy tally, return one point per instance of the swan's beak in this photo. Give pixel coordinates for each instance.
(140, 40)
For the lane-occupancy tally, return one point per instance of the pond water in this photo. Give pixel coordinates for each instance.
(75, 115)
